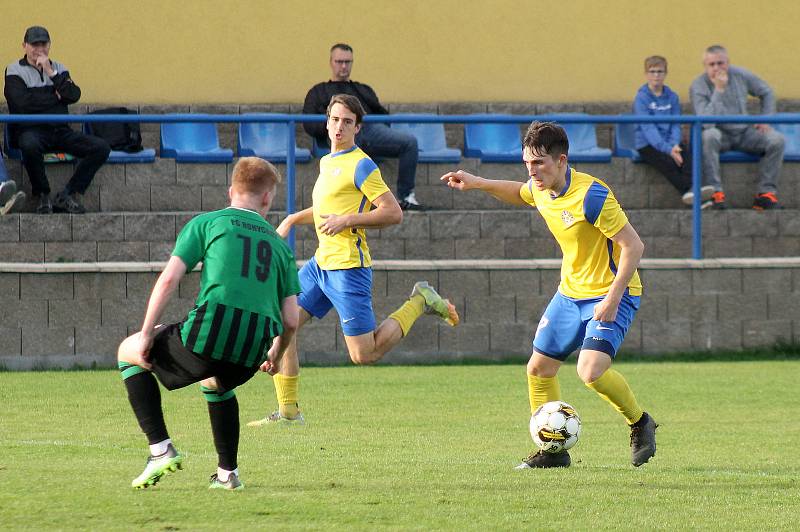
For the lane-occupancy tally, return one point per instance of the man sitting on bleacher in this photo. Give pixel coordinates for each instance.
(37, 85)
(723, 90)
(376, 139)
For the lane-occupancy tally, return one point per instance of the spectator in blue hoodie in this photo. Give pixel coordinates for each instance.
(660, 145)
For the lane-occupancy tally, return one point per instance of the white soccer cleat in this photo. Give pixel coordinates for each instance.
(276, 419)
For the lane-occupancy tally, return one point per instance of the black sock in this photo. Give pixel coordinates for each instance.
(145, 398)
(642, 420)
(224, 416)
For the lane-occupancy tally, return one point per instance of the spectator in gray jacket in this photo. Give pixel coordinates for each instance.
(723, 90)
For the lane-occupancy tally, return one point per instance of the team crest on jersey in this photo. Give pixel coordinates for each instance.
(336, 171)
(567, 218)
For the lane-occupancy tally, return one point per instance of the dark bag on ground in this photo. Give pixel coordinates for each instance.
(121, 136)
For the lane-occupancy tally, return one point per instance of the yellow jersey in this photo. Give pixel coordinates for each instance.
(349, 181)
(583, 218)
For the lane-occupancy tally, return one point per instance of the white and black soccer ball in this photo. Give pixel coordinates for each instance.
(555, 427)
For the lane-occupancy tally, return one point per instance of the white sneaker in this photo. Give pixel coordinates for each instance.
(157, 467)
(705, 195)
(410, 203)
(276, 419)
(10, 199)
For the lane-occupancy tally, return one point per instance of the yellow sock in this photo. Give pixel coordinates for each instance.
(613, 387)
(286, 391)
(409, 312)
(542, 390)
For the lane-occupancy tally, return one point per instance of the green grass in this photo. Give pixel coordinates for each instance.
(411, 448)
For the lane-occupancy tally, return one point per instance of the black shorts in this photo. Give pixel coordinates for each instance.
(177, 367)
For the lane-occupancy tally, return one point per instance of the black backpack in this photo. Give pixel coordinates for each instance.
(121, 136)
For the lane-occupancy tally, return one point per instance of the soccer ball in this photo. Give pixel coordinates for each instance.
(555, 427)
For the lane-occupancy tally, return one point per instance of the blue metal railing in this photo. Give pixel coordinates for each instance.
(696, 123)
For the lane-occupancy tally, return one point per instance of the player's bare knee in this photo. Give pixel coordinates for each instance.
(124, 350)
(588, 373)
(362, 358)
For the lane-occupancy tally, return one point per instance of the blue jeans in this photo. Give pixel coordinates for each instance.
(379, 140)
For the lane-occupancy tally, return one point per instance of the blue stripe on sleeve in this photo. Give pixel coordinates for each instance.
(593, 202)
(364, 167)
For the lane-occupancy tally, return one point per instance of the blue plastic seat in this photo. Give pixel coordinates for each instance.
(791, 132)
(319, 150)
(431, 141)
(147, 155)
(625, 142)
(735, 156)
(16, 153)
(268, 140)
(583, 146)
(493, 142)
(193, 142)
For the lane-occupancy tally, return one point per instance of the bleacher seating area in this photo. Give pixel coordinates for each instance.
(136, 211)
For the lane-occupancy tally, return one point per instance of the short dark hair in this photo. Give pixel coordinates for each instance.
(349, 101)
(341, 46)
(546, 137)
(716, 49)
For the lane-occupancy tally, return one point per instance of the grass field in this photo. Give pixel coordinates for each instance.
(412, 448)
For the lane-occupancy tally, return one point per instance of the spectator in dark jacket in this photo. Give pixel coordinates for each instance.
(37, 85)
(376, 139)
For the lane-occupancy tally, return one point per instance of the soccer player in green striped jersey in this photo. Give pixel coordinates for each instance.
(247, 299)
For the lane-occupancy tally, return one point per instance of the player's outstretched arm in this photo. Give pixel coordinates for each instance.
(386, 212)
(506, 191)
(304, 217)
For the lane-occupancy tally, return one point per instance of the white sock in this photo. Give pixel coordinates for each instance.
(223, 474)
(157, 449)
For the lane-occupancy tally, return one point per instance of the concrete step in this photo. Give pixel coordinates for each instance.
(168, 186)
(65, 315)
(511, 233)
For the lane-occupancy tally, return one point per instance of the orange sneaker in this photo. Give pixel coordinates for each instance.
(766, 201)
(718, 200)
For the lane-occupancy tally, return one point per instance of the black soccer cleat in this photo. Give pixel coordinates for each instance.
(643, 440)
(541, 459)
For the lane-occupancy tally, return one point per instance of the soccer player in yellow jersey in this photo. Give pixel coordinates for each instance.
(599, 290)
(349, 197)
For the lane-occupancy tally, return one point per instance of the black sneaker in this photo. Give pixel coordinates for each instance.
(68, 203)
(410, 203)
(45, 205)
(541, 459)
(643, 440)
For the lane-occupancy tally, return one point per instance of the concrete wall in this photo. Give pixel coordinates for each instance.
(173, 51)
(76, 315)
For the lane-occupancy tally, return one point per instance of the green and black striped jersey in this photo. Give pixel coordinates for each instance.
(248, 270)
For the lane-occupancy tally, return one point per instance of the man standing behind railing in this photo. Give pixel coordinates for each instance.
(723, 90)
(37, 85)
(376, 139)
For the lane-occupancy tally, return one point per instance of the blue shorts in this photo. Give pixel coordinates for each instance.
(568, 323)
(348, 291)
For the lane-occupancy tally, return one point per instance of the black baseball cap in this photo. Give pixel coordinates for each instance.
(36, 34)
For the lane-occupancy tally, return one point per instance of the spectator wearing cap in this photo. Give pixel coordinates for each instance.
(38, 85)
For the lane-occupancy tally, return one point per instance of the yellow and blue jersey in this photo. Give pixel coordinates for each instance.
(349, 181)
(583, 218)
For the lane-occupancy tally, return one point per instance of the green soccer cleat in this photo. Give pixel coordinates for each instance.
(435, 304)
(233, 483)
(275, 419)
(157, 467)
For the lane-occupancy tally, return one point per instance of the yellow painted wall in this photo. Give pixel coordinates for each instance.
(262, 51)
